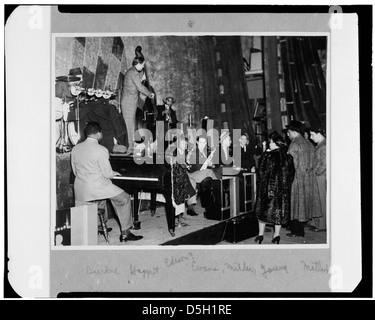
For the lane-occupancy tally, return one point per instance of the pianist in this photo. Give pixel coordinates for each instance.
(93, 171)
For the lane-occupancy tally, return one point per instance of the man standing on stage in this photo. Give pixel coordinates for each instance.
(130, 96)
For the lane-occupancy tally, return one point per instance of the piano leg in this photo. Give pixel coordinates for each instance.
(153, 203)
(170, 212)
(136, 223)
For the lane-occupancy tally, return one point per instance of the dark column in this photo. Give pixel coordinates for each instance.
(271, 79)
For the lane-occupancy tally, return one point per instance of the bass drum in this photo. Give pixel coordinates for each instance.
(73, 132)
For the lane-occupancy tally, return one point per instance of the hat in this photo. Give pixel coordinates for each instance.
(169, 97)
(224, 135)
(68, 78)
(295, 125)
(75, 72)
(74, 75)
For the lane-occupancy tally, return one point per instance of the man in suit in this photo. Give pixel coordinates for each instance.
(130, 96)
(200, 169)
(247, 153)
(93, 174)
(167, 114)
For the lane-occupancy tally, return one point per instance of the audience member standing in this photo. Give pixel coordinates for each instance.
(182, 189)
(304, 202)
(319, 170)
(275, 177)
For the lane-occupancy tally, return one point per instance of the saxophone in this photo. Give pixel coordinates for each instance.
(208, 160)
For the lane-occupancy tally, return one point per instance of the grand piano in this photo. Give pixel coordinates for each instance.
(153, 178)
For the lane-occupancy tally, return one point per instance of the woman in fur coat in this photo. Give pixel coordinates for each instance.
(275, 177)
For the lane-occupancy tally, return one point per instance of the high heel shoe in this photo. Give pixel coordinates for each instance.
(259, 239)
(276, 240)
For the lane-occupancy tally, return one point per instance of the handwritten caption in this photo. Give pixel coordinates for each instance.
(189, 261)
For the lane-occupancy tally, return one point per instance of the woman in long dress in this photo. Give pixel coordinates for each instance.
(276, 174)
(319, 170)
(182, 190)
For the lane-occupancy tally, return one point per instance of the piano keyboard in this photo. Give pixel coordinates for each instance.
(136, 178)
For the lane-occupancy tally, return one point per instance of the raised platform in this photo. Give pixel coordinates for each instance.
(155, 231)
(197, 231)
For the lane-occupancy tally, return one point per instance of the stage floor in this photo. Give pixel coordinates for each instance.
(154, 229)
(195, 231)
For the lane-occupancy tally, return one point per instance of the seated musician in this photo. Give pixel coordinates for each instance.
(247, 153)
(93, 174)
(201, 167)
(225, 155)
(167, 113)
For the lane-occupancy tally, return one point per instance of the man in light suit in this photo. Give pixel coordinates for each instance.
(130, 96)
(93, 174)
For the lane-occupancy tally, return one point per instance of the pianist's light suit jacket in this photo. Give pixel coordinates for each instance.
(93, 171)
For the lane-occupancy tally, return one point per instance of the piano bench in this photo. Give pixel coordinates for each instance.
(101, 205)
(101, 213)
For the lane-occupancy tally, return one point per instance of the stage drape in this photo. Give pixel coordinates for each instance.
(238, 113)
(236, 95)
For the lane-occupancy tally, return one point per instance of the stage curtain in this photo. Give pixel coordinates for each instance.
(238, 111)
(236, 95)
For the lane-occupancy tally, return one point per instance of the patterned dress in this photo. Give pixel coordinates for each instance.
(275, 177)
(182, 189)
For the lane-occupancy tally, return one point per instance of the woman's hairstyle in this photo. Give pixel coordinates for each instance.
(246, 135)
(139, 58)
(202, 136)
(277, 139)
(92, 128)
(320, 130)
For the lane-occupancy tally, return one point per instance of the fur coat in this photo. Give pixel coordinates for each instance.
(274, 182)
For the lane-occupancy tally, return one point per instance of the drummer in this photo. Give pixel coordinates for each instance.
(63, 102)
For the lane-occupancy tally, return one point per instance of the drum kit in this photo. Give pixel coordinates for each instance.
(68, 130)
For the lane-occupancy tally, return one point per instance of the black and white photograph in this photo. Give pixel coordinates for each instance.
(110, 90)
(186, 152)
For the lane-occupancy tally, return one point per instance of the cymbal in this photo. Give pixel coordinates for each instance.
(68, 78)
